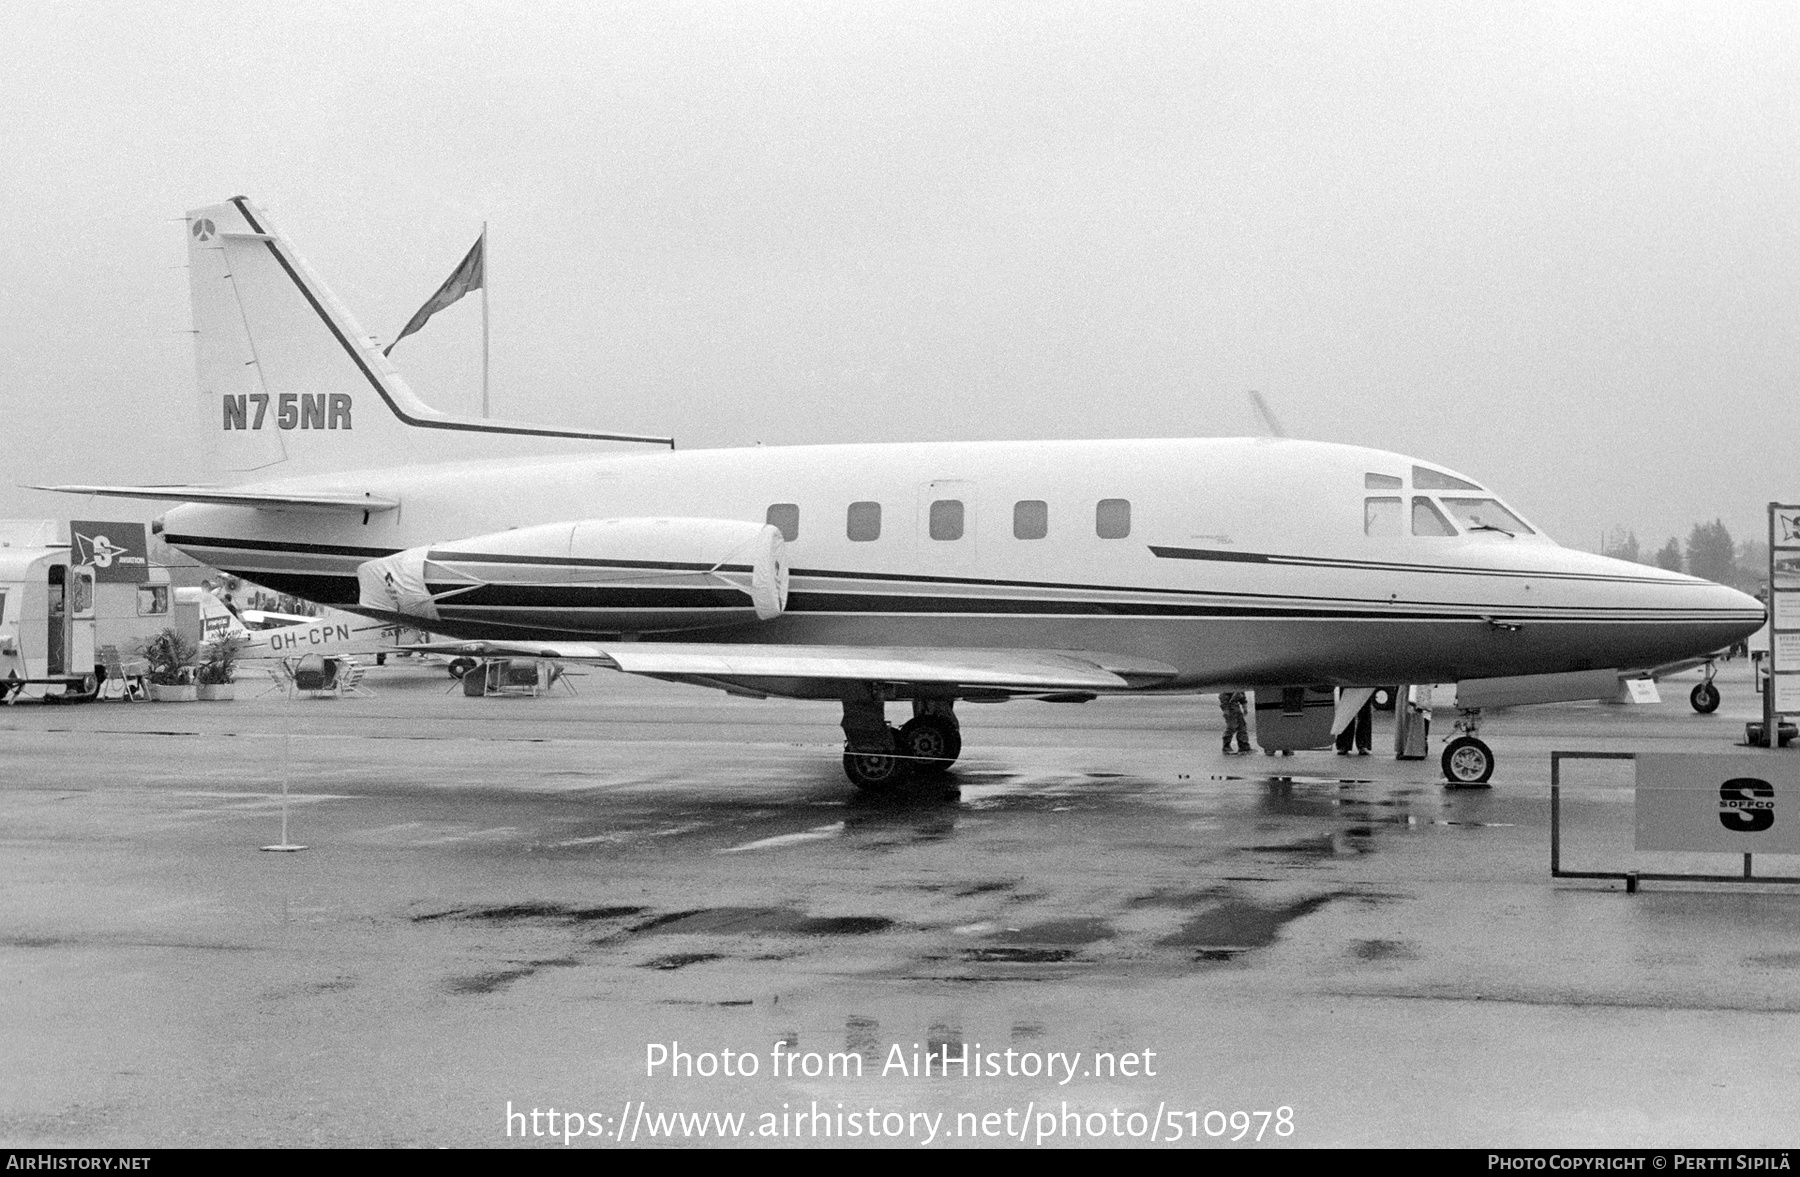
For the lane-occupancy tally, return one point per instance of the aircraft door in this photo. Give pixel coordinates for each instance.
(56, 617)
(946, 529)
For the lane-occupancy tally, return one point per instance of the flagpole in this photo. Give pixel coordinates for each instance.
(484, 320)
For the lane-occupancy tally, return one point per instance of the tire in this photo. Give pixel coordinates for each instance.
(876, 772)
(1468, 761)
(90, 690)
(932, 741)
(460, 666)
(1704, 698)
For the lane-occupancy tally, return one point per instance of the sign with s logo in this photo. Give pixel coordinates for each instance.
(1737, 803)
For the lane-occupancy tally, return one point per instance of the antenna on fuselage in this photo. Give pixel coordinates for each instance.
(1270, 425)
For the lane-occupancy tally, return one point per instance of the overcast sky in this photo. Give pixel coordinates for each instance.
(1554, 246)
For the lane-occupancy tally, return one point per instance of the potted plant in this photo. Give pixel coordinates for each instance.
(218, 665)
(171, 674)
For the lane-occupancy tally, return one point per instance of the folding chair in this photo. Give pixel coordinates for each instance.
(123, 681)
(350, 679)
(313, 675)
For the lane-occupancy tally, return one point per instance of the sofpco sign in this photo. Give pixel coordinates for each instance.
(1746, 805)
(1737, 803)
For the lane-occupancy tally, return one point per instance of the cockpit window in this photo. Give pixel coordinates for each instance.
(1381, 516)
(1381, 482)
(1427, 519)
(1485, 515)
(1424, 479)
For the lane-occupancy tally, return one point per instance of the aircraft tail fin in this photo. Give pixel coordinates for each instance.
(217, 620)
(290, 384)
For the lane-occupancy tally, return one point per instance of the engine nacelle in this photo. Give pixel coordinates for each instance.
(596, 576)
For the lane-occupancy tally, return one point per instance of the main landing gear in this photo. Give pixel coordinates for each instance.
(1467, 761)
(879, 758)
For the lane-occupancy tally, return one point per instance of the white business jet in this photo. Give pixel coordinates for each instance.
(913, 573)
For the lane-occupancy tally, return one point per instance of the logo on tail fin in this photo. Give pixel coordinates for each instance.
(203, 230)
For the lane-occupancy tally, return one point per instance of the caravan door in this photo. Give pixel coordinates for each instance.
(56, 621)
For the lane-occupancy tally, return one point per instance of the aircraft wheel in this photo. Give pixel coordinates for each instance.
(1468, 761)
(933, 742)
(876, 772)
(1705, 698)
(461, 666)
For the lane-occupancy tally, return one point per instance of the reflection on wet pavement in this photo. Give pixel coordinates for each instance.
(708, 875)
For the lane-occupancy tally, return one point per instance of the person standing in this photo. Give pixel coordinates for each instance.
(1359, 732)
(1231, 705)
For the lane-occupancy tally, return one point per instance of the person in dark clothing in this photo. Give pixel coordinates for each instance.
(1231, 704)
(1359, 732)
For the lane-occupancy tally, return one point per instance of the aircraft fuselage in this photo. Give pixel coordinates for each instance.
(1237, 561)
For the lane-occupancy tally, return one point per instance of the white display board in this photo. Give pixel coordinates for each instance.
(1735, 803)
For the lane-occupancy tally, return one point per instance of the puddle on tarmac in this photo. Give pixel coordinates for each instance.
(730, 921)
(1238, 925)
(531, 911)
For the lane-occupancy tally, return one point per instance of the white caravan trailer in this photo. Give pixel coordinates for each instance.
(57, 614)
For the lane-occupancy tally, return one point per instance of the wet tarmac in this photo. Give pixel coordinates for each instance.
(521, 902)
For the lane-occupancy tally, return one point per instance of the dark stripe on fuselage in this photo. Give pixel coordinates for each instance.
(267, 545)
(1213, 554)
(448, 556)
(579, 597)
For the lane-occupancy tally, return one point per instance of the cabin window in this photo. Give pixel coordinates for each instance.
(1112, 518)
(947, 519)
(863, 523)
(1485, 515)
(1381, 517)
(785, 518)
(81, 593)
(152, 600)
(1428, 520)
(1380, 482)
(1031, 519)
(1424, 479)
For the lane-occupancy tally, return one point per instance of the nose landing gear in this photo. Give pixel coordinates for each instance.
(1704, 698)
(1467, 762)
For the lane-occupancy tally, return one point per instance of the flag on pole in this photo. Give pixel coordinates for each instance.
(470, 275)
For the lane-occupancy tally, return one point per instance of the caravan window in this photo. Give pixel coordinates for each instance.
(81, 596)
(152, 600)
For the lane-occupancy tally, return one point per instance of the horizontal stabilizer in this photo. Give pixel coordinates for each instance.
(264, 500)
(1022, 671)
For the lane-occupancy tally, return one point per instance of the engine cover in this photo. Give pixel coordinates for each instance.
(595, 577)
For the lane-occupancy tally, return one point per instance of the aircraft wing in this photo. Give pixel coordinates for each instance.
(267, 500)
(788, 669)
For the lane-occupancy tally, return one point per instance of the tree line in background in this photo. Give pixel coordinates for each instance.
(1710, 553)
